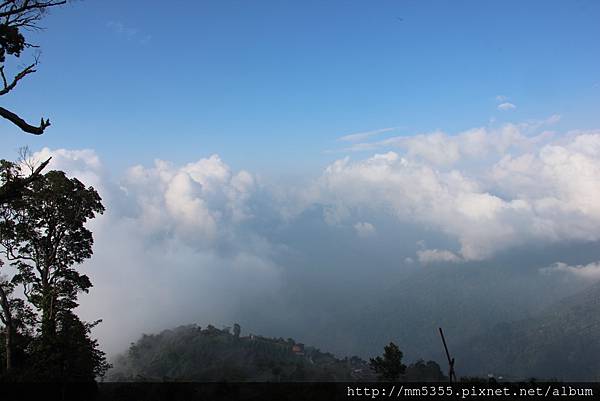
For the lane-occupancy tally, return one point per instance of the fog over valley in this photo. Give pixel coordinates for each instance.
(387, 247)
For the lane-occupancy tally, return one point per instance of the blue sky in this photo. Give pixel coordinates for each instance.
(270, 85)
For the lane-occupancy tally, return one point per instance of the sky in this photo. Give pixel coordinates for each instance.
(271, 85)
(251, 153)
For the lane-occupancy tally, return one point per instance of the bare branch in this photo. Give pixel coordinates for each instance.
(19, 122)
(8, 87)
(26, 7)
(16, 16)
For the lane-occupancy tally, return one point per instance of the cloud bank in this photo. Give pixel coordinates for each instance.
(198, 241)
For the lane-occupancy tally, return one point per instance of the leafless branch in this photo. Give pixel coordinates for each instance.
(24, 7)
(8, 87)
(14, 15)
(19, 122)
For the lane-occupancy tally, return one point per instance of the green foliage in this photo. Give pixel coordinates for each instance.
(11, 41)
(424, 371)
(43, 235)
(70, 356)
(189, 353)
(390, 366)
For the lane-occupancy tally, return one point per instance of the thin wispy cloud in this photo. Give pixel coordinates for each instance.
(440, 147)
(506, 106)
(501, 98)
(128, 32)
(361, 136)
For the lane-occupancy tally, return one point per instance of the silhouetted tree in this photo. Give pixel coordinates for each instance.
(17, 318)
(15, 17)
(12, 180)
(424, 371)
(70, 356)
(390, 366)
(42, 234)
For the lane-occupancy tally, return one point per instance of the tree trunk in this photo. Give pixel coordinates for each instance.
(48, 320)
(9, 347)
(8, 322)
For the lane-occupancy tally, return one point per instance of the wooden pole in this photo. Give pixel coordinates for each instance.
(451, 373)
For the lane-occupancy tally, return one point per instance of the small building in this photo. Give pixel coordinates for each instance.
(298, 349)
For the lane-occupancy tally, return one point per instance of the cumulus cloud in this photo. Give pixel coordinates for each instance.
(506, 106)
(194, 200)
(591, 271)
(364, 229)
(198, 239)
(516, 189)
(171, 245)
(83, 164)
(439, 147)
(428, 256)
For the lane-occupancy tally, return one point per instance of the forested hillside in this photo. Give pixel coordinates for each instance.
(190, 353)
(563, 343)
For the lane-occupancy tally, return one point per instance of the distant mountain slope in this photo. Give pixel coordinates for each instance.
(189, 353)
(563, 343)
(465, 300)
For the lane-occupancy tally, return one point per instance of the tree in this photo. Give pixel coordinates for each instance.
(43, 235)
(16, 16)
(424, 371)
(236, 330)
(390, 366)
(70, 356)
(13, 180)
(17, 318)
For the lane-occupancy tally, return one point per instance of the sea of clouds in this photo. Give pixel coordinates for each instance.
(203, 240)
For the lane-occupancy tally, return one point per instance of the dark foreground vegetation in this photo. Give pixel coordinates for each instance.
(43, 239)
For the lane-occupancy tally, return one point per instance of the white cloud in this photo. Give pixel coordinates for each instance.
(194, 200)
(361, 136)
(428, 256)
(440, 148)
(506, 106)
(122, 29)
(553, 119)
(510, 188)
(501, 98)
(591, 271)
(197, 226)
(129, 32)
(364, 229)
(172, 239)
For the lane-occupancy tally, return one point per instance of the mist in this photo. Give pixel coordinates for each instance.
(383, 248)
